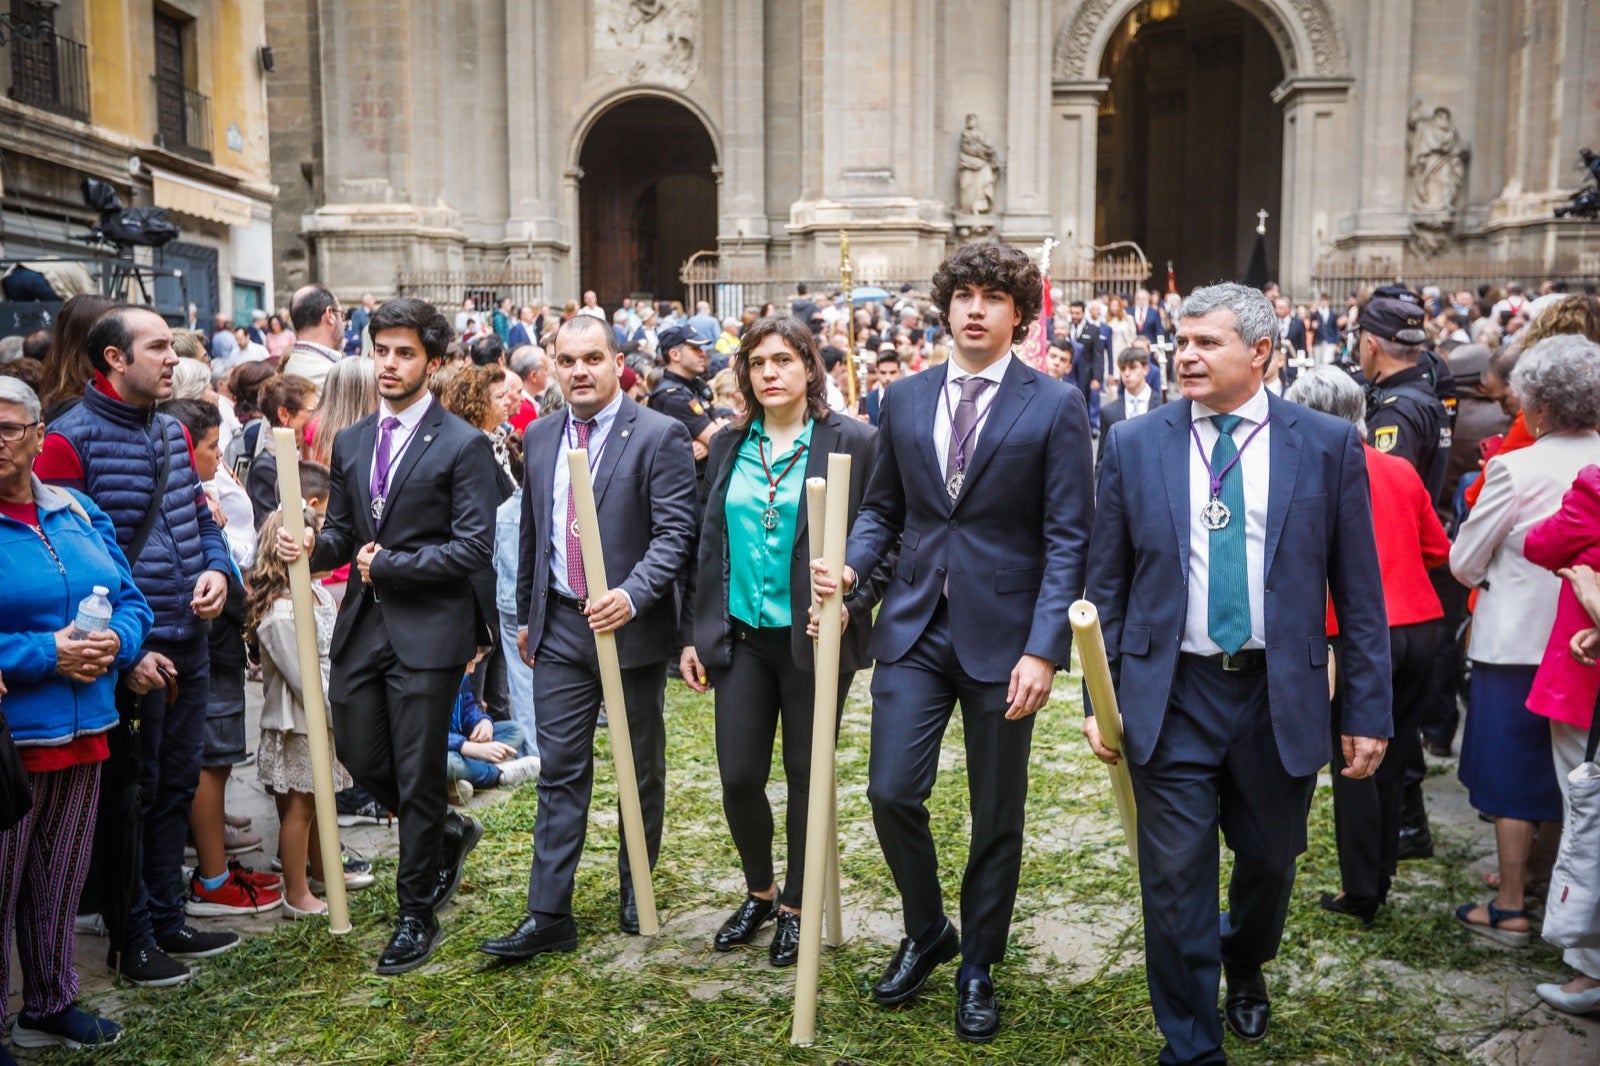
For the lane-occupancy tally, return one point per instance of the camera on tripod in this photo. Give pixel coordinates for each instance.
(1585, 203)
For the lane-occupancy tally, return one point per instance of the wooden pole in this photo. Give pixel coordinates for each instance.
(833, 935)
(1097, 678)
(318, 726)
(830, 628)
(594, 574)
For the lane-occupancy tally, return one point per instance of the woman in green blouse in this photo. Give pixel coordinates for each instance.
(746, 636)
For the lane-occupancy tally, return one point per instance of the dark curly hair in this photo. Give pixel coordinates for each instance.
(423, 319)
(991, 265)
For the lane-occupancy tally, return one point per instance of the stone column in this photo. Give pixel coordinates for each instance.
(1027, 220)
(534, 224)
(742, 179)
(1382, 223)
(1074, 137)
(1316, 131)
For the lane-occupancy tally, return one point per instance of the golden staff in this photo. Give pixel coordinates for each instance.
(816, 511)
(318, 725)
(1097, 678)
(852, 390)
(830, 629)
(594, 573)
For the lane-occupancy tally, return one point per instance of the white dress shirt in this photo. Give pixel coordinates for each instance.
(240, 532)
(563, 482)
(410, 418)
(1256, 465)
(942, 411)
(1134, 406)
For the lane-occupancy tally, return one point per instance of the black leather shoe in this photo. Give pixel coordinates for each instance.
(785, 947)
(627, 909)
(912, 964)
(743, 925)
(413, 941)
(977, 1014)
(1247, 1008)
(461, 835)
(530, 939)
(1415, 843)
(1362, 907)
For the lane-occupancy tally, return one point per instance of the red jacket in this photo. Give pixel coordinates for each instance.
(1410, 541)
(1562, 689)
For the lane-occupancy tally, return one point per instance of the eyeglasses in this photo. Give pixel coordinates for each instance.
(12, 433)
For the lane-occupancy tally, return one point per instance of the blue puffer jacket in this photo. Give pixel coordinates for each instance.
(42, 595)
(117, 447)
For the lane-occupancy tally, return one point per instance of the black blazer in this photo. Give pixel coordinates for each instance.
(437, 533)
(708, 626)
(644, 491)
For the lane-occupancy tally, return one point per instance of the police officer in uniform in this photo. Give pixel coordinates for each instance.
(684, 394)
(1405, 417)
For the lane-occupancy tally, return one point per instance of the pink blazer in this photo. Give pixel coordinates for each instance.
(1562, 689)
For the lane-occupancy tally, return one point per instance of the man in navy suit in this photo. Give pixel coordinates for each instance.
(1291, 327)
(983, 479)
(644, 488)
(1225, 520)
(1146, 319)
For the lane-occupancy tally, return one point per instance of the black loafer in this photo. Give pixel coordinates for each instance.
(911, 965)
(627, 909)
(530, 939)
(745, 923)
(977, 1014)
(413, 941)
(1363, 907)
(785, 947)
(461, 835)
(1247, 1008)
(1416, 842)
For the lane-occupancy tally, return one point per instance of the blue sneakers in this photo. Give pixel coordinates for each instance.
(73, 1028)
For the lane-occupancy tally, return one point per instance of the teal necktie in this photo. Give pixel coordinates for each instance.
(1228, 578)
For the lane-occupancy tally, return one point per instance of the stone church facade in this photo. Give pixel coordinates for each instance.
(600, 143)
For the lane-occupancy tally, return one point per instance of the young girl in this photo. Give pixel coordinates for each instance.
(283, 759)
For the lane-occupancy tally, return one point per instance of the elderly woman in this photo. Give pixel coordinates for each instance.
(1410, 540)
(57, 548)
(1506, 760)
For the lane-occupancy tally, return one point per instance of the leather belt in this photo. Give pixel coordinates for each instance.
(568, 601)
(1248, 660)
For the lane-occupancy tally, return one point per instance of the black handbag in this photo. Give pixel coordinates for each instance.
(16, 799)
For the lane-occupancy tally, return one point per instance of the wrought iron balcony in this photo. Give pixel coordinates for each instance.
(183, 119)
(47, 70)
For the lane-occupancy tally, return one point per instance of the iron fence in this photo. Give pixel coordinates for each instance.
(446, 289)
(48, 71)
(183, 119)
(1339, 276)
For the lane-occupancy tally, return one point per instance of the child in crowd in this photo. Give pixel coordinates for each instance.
(283, 759)
(483, 752)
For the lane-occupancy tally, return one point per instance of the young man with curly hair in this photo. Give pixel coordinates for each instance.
(983, 479)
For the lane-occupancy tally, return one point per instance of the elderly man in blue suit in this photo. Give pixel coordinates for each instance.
(1224, 522)
(982, 477)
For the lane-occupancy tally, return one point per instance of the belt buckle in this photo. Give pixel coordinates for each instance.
(1228, 664)
(583, 604)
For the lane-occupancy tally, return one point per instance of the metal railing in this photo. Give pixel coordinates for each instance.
(446, 289)
(1344, 274)
(48, 71)
(183, 119)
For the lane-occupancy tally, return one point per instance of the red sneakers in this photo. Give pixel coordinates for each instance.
(235, 896)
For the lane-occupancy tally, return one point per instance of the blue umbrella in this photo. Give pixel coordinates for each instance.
(868, 294)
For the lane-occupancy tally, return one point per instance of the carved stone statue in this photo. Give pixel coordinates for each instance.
(978, 165)
(1436, 174)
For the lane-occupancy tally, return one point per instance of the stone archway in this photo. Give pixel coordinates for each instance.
(647, 198)
(1314, 97)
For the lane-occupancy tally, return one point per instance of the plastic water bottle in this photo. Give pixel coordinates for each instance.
(94, 613)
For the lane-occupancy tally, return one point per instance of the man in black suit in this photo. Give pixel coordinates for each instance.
(1086, 359)
(644, 487)
(412, 510)
(982, 477)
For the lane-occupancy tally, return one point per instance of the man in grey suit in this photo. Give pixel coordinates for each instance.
(644, 486)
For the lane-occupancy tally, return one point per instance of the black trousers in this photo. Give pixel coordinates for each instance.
(566, 691)
(391, 724)
(1366, 813)
(761, 688)
(1442, 714)
(912, 699)
(1216, 764)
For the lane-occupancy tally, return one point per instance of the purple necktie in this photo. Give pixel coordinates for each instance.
(381, 459)
(575, 576)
